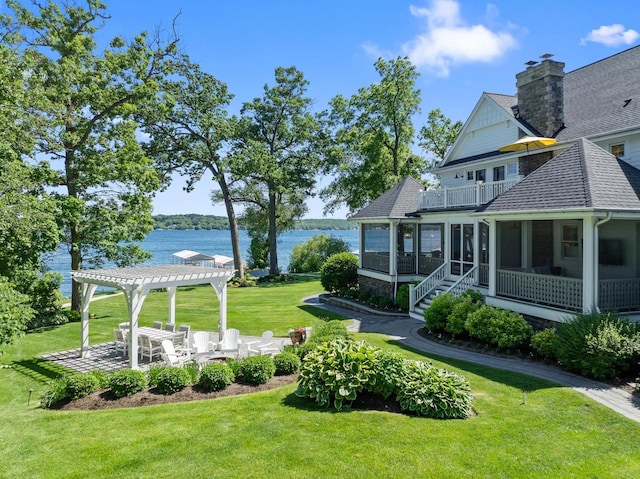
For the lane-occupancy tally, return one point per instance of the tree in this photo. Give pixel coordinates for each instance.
(277, 153)
(14, 312)
(438, 135)
(87, 133)
(373, 132)
(309, 256)
(188, 136)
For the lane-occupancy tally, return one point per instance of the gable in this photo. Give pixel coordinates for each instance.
(489, 127)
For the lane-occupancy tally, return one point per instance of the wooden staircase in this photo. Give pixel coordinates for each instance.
(444, 285)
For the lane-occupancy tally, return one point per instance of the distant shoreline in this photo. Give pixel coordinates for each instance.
(213, 222)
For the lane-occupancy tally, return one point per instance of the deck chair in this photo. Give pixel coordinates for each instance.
(120, 341)
(230, 343)
(276, 347)
(256, 347)
(201, 343)
(148, 347)
(170, 356)
(157, 324)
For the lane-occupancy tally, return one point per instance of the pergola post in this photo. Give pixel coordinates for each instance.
(221, 293)
(87, 294)
(171, 290)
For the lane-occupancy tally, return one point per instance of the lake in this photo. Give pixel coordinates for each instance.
(163, 243)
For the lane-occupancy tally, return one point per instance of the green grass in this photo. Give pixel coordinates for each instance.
(556, 432)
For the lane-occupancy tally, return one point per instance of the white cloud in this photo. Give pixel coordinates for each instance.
(448, 41)
(611, 35)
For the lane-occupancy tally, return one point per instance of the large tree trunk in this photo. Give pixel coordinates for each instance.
(75, 243)
(233, 228)
(273, 235)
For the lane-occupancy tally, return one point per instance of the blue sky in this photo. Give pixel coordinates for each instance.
(461, 48)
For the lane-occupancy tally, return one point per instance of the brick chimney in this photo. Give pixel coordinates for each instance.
(541, 97)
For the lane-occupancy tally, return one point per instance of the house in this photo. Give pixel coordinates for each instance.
(547, 231)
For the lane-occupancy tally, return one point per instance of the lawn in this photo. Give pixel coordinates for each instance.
(524, 427)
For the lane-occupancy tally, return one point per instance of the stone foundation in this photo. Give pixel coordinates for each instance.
(376, 286)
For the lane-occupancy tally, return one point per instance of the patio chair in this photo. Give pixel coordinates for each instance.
(148, 347)
(256, 347)
(157, 324)
(124, 325)
(186, 329)
(171, 327)
(201, 343)
(170, 356)
(121, 341)
(230, 343)
(274, 348)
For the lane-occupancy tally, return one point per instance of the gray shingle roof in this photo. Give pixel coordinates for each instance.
(583, 177)
(396, 202)
(595, 95)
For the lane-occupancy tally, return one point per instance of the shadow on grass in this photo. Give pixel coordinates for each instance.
(39, 369)
(322, 314)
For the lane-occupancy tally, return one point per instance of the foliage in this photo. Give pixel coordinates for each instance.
(388, 373)
(15, 312)
(599, 345)
(154, 370)
(247, 281)
(309, 256)
(543, 343)
(172, 379)
(215, 376)
(55, 391)
(436, 315)
(81, 385)
(334, 373)
(460, 311)
(339, 271)
(432, 392)
(234, 365)
(256, 369)
(372, 137)
(438, 135)
(286, 362)
(500, 327)
(85, 103)
(402, 297)
(46, 300)
(275, 155)
(190, 222)
(128, 382)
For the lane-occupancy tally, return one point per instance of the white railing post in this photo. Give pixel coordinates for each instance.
(445, 196)
(412, 296)
(479, 193)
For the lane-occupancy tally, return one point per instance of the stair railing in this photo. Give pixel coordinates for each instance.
(419, 291)
(467, 281)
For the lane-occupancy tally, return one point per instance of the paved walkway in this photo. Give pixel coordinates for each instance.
(405, 330)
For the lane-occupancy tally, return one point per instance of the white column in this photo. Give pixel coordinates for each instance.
(87, 294)
(171, 290)
(135, 300)
(447, 246)
(220, 288)
(393, 247)
(589, 265)
(493, 256)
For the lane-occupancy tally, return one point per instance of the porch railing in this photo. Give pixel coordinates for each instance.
(483, 274)
(428, 264)
(464, 283)
(376, 261)
(472, 195)
(406, 263)
(557, 291)
(619, 294)
(419, 291)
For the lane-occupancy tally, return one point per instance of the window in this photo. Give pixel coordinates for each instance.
(512, 168)
(469, 175)
(481, 175)
(431, 238)
(498, 173)
(618, 150)
(570, 242)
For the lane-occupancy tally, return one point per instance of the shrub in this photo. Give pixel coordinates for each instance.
(256, 369)
(543, 343)
(475, 296)
(215, 376)
(286, 363)
(54, 392)
(173, 379)
(46, 300)
(334, 373)
(234, 364)
(364, 296)
(461, 309)
(388, 372)
(102, 377)
(194, 372)
(600, 345)
(127, 382)
(435, 316)
(339, 271)
(154, 370)
(309, 256)
(499, 327)
(432, 392)
(15, 312)
(81, 385)
(383, 302)
(402, 297)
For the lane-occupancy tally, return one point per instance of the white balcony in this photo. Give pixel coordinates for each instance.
(472, 195)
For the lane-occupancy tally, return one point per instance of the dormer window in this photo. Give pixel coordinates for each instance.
(512, 168)
(618, 150)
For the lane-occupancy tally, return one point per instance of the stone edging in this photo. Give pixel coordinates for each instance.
(345, 303)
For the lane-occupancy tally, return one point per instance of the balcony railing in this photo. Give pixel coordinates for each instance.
(458, 196)
(619, 294)
(557, 291)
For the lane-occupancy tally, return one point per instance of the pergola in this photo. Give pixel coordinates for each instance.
(137, 282)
